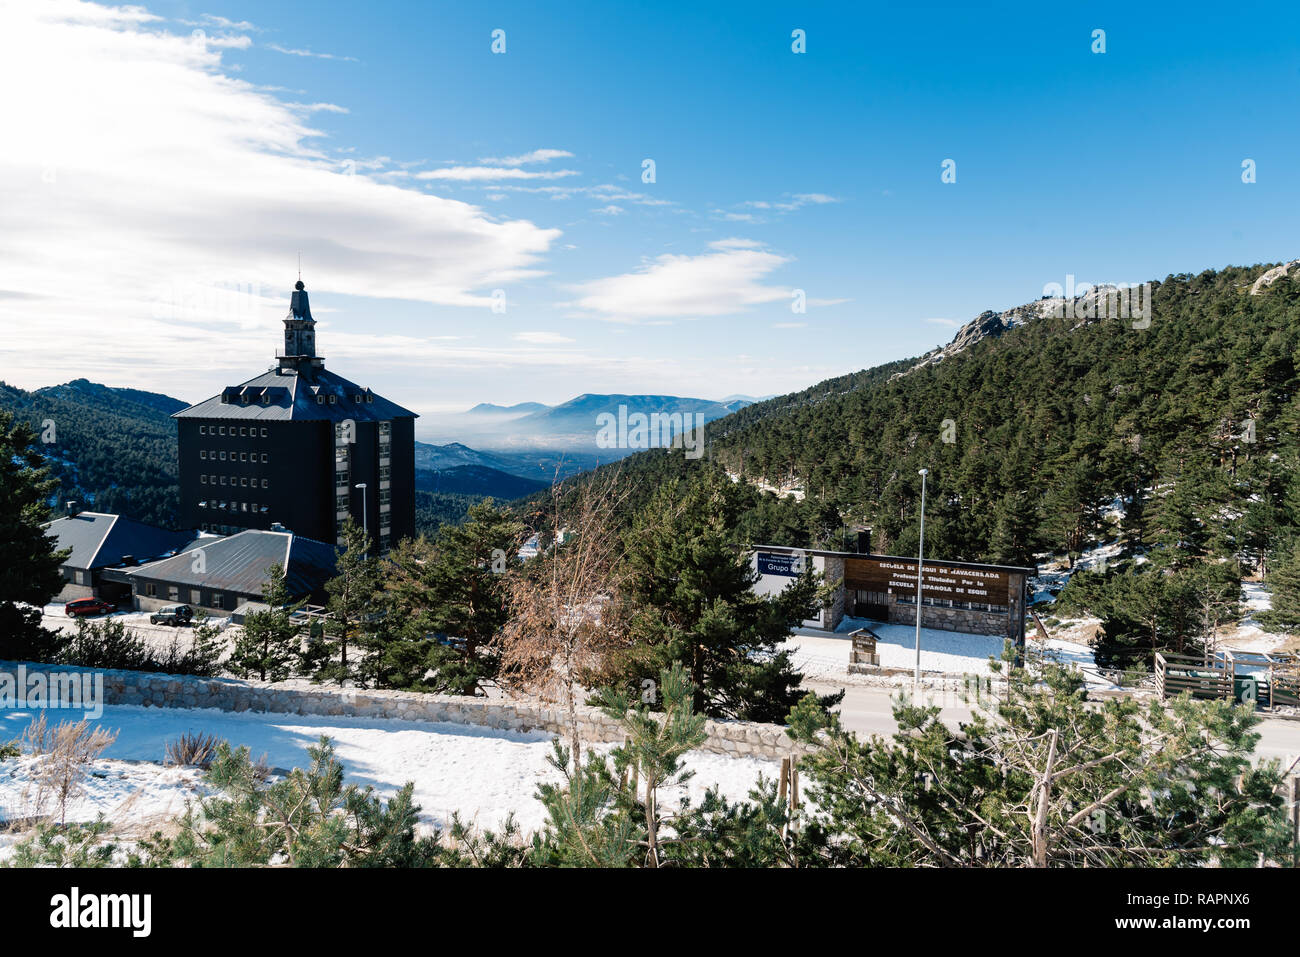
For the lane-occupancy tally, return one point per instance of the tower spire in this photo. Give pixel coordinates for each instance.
(299, 331)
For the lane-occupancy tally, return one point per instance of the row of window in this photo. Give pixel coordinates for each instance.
(245, 431)
(333, 399)
(215, 599)
(220, 456)
(235, 506)
(242, 481)
(908, 599)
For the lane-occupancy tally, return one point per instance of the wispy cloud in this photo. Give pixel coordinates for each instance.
(542, 338)
(468, 174)
(536, 156)
(309, 53)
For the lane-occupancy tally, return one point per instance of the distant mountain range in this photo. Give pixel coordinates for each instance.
(570, 426)
(114, 449)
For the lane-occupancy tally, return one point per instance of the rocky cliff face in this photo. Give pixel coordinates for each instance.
(986, 324)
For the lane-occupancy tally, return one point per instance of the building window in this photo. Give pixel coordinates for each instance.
(263, 431)
(263, 456)
(333, 399)
(223, 456)
(223, 480)
(217, 600)
(320, 400)
(265, 484)
(243, 456)
(173, 593)
(151, 590)
(203, 430)
(244, 482)
(203, 480)
(223, 430)
(203, 454)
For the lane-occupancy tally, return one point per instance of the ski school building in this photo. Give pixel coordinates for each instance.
(955, 596)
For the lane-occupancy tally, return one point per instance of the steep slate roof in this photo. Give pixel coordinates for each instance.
(292, 397)
(100, 540)
(238, 563)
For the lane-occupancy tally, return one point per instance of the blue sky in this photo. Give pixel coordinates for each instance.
(775, 171)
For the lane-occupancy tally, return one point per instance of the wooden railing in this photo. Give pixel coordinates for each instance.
(1176, 674)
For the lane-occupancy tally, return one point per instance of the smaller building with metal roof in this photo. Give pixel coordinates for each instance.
(99, 541)
(219, 574)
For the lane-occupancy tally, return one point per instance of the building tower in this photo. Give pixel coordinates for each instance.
(290, 446)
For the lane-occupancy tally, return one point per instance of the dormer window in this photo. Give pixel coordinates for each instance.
(320, 400)
(333, 399)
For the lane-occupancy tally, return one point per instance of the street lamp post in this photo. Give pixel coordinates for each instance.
(365, 519)
(920, 558)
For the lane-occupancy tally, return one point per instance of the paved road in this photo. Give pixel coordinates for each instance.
(868, 710)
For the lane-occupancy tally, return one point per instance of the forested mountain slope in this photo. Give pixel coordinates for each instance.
(1043, 434)
(1030, 435)
(113, 450)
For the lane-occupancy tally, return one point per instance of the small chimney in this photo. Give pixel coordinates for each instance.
(74, 508)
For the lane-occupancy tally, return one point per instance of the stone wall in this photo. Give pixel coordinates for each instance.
(739, 738)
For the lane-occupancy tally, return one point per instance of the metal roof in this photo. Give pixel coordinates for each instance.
(287, 394)
(100, 539)
(238, 563)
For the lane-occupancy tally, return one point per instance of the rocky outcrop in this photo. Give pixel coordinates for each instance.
(1272, 276)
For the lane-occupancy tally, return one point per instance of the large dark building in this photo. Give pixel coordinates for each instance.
(291, 445)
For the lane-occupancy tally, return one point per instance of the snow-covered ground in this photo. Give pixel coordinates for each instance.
(483, 773)
(157, 637)
(1247, 635)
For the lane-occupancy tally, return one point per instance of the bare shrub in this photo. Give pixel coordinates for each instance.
(65, 759)
(565, 623)
(36, 737)
(192, 750)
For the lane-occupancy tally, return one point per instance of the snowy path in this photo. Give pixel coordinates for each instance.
(483, 773)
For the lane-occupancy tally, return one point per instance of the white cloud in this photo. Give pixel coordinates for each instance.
(950, 323)
(542, 338)
(136, 173)
(726, 280)
(491, 173)
(610, 210)
(308, 53)
(536, 156)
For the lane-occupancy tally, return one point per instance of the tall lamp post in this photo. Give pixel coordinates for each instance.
(365, 525)
(920, 557)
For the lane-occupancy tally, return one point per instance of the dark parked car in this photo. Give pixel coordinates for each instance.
(88, 606)
(172, 615)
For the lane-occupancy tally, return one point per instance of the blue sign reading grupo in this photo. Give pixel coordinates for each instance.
(790, 566)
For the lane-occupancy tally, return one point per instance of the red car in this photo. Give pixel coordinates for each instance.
(88, 606)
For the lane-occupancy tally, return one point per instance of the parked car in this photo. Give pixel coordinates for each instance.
(172, 615)
(88, 606)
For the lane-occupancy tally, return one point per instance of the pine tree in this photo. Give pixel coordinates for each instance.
(29, 573)
(207, 646)
(1284, 588)
(352, 603)
(690, 591)
(445, 603)
(270, 642)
